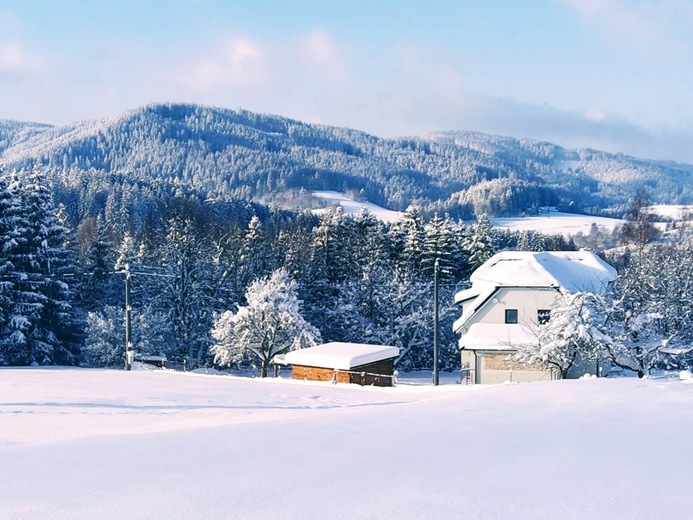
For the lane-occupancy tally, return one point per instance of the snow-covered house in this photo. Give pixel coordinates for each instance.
(344, 363)
(511, 293)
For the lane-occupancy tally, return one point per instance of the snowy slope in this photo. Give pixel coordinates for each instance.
(353, 207)
(86, 444)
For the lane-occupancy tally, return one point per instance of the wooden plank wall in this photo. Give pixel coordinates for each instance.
(317, 374)
(361, 375)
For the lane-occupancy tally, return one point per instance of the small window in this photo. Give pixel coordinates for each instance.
(510, 315)
(543, 316)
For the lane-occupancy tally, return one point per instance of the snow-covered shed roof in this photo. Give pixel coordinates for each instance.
(340, 356)
(495, 336)
(574, 271)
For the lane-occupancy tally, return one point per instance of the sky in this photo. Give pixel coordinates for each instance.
(607, 74)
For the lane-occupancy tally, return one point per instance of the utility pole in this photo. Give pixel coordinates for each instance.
(129, 355)
(436, 267)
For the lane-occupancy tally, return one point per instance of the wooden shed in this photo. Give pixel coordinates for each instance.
(344, 363)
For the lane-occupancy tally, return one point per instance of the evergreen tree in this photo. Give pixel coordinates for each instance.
(184, 289)
(43, 327)
(441, 243)
(98, 280)
(479, 243)
(638, 229)
(9, 217)
(408, 236)
(255, 255)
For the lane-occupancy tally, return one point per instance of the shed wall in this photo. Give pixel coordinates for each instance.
(376, 374)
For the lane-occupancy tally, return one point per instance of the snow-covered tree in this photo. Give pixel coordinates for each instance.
(479, 242)
(271, 323)
(128, 252)
(183, 291)
(638, 229)
(105, 337)
(573, 331)
(408, 237)
(9, 216)
(652, 309)
(98, 281)
(43, 326)
(442, 243)
(255, 255)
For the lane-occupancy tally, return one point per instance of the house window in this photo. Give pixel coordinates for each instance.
(543, 316)
(510, 315)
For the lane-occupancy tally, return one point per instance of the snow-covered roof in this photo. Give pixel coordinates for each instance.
(467, 294)
(482, 297)
(572, 270)
(341, 356)
(497, 336)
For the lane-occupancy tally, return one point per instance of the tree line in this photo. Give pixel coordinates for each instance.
(202, 269)
(194, 258)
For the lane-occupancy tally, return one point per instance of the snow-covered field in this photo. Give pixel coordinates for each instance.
(353, 207)
(103, 444)
(672, 211)
(557, 223)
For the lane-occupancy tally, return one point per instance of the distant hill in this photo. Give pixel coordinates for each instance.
(240, 154)
(13, 132)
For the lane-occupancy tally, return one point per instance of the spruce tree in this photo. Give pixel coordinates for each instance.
(43, 327)
(9, 215)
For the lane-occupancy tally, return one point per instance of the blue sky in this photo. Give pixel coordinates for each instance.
(610, 74)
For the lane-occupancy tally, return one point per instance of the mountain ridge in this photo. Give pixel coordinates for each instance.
(238, 153)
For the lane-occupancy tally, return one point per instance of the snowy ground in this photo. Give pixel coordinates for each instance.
(352, 207)
(98, 444)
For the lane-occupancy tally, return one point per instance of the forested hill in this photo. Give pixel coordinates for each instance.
(12, 132)
(240, 154)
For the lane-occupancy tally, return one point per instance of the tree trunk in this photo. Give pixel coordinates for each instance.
(264, 367)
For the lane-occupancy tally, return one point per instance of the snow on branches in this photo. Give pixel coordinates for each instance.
(271, 323)
(574, 333)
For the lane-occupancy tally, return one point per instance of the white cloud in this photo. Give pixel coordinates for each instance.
(319, 46)
(594, 114)
(319, 55)
(412, 112)
(15, 63)
(306, 76)
(239, 63)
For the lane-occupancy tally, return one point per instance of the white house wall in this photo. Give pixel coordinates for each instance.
(527, 301)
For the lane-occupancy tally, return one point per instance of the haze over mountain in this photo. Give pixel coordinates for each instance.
(240, 154)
